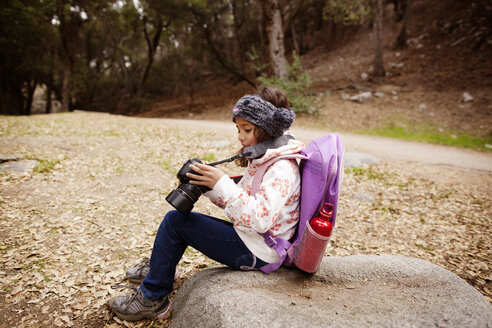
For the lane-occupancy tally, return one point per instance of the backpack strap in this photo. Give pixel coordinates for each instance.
(280, 245)
(260, 172)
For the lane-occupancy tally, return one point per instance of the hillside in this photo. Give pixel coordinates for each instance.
(449, 53)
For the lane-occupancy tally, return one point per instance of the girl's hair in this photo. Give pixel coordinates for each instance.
(277, 98)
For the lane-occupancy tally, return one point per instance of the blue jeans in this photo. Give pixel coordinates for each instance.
(215, 238)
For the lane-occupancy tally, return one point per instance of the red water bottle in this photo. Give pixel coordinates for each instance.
(314, 240)
(321, 224)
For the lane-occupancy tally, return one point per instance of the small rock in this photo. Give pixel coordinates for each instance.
(422, 106)
(364, 197)
(364, 76)
(467, 97)
(379, 94)
(488, 146)
(354, 159)
(362, 97)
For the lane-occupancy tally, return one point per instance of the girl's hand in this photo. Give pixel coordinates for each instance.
(209, 175)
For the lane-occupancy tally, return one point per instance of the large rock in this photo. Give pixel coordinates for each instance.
(20, 166)
(355, 159)
(354, 291)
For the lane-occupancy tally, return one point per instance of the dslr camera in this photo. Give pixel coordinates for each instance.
(185, 195)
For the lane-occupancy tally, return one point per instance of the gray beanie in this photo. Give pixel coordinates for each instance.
(275, 121)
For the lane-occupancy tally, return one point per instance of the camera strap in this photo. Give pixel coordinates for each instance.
(259, 149)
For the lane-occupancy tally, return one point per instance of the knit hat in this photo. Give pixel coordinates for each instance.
(275, 121)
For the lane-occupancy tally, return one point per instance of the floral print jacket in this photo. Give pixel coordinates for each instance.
(274, 208)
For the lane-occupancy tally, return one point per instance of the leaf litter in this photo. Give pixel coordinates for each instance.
(70, 233)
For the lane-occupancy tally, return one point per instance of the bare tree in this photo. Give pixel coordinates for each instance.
(151, 48)
(378, 47)
(275, 34)
(69, 27)
(401, 41)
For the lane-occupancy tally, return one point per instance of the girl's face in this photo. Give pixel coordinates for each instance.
(246, 132)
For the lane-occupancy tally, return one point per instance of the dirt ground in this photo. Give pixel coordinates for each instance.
(70, 227)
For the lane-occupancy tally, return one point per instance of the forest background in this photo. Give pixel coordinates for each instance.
(194, 58)
(162, 58)
(120, 56)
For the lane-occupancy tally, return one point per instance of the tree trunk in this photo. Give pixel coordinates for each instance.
(151, 49)
(378, 47)
(65, 90)
(238, 24)
(273, 26)
(294, 39)
(49, 90)
(31, 87)
(401, 41)
(69, 30)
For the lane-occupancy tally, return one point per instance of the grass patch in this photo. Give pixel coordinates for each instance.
(369, 172)
(209, 158)
(429, 134)
(45, 166)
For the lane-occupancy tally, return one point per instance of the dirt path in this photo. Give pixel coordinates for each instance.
(389, 149)
(439, 163)
(70, 227)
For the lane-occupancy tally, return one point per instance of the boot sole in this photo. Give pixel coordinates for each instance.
(146, 315)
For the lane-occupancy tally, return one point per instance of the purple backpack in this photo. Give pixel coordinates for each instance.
(321, 169)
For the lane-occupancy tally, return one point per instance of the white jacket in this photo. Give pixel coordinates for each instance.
(275, 207)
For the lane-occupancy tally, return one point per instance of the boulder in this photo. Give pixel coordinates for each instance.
(353, 291)
(361, 97)
(19, 166)
(364, 197)
(355, 159)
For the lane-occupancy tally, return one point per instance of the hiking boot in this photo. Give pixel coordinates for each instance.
(136, 306)
(137, 273)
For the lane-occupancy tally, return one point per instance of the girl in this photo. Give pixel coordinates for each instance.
(237, 244)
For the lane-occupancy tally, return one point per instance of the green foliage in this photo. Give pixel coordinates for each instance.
(45, 166)
(370, 172)
(297, 86)
(25, 42)
(347, 12)
(257, 64)
(209, 157)
(429, 134)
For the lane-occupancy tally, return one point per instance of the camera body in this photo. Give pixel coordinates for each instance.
(185, 195)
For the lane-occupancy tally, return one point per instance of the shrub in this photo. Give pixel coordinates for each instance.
(296, 85)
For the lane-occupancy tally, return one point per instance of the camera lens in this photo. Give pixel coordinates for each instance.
(184, 197)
